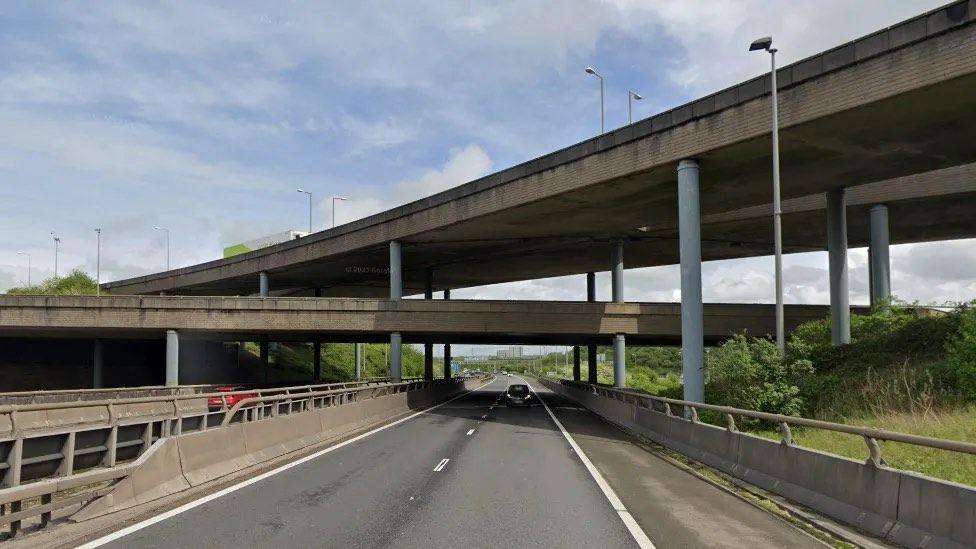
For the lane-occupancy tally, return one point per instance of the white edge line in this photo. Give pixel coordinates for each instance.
(635, 530)
(197, 502)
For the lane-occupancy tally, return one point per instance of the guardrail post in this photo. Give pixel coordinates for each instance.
(874, 448)
(14, 461)
(146, 437)
(111, 447)
(67, 455)
(667, 409)
(694, 414)
(730, 423)
(785, 434)
(45, 516)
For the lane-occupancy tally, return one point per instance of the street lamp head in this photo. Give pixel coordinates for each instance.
(303, 191)
(22, 253)
(99, 231)
(636, 95)
(339, 198)
(763, 43)
(591, 70)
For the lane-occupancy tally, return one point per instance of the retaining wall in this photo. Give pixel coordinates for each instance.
(903, 507)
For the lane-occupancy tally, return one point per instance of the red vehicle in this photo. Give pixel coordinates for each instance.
(217, 402)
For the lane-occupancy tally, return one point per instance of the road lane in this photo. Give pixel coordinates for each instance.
(513, 481)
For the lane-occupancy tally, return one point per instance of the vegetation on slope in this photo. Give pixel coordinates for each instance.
(77, 282)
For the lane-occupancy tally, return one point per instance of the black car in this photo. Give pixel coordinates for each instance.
(519, 395)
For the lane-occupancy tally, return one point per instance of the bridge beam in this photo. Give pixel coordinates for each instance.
(840, 308)
(591, 348)
(692, 313)
(172, 358)
(879, 266)
(617, 291)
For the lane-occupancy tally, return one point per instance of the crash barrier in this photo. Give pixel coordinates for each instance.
(43, 415)
(186, 448)
(903, 507)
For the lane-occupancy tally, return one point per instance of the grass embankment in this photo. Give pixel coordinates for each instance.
(903, 371)
(293, 362)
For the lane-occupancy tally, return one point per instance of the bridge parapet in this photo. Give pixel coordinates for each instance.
(901, 506)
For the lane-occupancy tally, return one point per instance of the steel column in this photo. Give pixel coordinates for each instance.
(357, 349)
(98, 376)
(265, 359)
(263, 284)
(172, 358)
(689, 238)
(576, 362)
(591, 348)
(428, 347)
(840, 310)
(879, 266)
(317, 360)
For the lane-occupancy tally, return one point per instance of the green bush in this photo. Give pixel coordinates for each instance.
(752, 374)
(961, 354)
(77, 282)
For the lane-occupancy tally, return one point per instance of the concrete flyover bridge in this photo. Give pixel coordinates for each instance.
(884, 124)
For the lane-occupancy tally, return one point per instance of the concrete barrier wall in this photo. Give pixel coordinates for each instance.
(903, 507)
(180, 462)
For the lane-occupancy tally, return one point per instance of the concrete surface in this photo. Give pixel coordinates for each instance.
(512, 481)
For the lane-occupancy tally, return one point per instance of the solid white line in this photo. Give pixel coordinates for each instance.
(196, 503)
(470, 432)
(635, 530)
(440, 466)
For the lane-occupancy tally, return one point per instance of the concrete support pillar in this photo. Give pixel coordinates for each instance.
(448, 373)
(263, 283)
(617, 268)
(396, 344)
(428, 347)
(692, 316)
(317, 361)
(879, 266)
(840, 309)
(98, 376)
(172, 358)
(591, 348)
(357, 350)
(396, 271)
(576, 362)
(619, 361)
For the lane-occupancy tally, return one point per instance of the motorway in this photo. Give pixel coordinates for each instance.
(473, 473)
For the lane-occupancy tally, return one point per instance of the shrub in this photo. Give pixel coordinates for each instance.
(77, 282)
(752, 374)
(961, 354)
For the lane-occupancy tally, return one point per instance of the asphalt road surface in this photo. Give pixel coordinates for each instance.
(474, 473)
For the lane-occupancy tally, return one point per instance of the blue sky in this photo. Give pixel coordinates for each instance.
(204, 117)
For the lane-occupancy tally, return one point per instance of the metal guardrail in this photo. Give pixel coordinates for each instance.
(870, 435)
(52, 459)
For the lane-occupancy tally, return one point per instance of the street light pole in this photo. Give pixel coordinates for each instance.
(631, 96)
(98, 261)
(57, 244)
(591, 70)
(28, 267)
(158, 228)
(766, 44)
(309, 208)
(334, 199)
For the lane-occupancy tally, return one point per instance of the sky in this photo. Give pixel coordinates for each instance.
(205, 117)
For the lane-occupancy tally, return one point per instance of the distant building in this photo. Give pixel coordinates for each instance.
(511, 352)
(262, 242)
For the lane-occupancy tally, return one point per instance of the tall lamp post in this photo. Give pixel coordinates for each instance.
(158, 228)
(766, 43)
(28, 267)
(334, 200)
(309, 193)
(57, 245)
(98, 261)
(591, 70)
(631, 97)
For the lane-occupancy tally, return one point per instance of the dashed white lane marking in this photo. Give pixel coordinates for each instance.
(233, 488)
(470, 432)
(484, 416)
(636, 531)
(440, 466)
